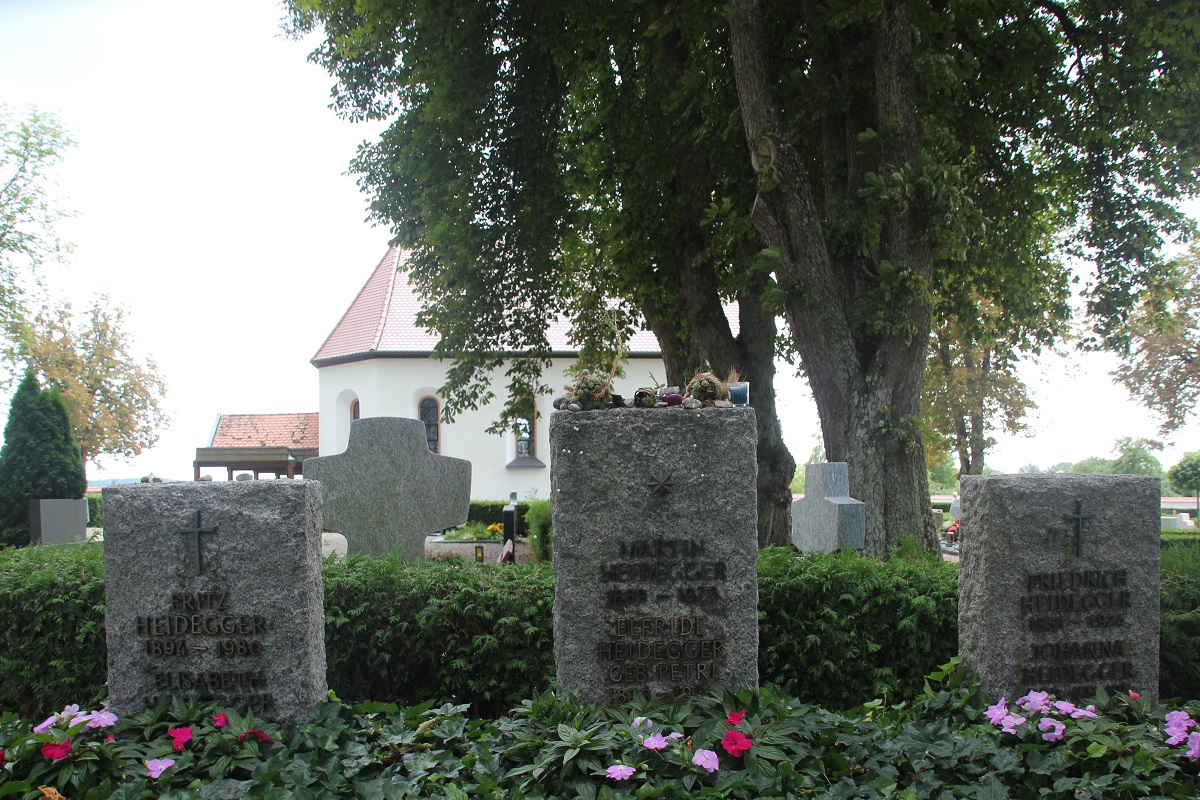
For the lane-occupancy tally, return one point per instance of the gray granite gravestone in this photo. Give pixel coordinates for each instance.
(387, 492)
(828, 518)
(58, 521)
(1059, 583)
(213, 591)
(655, 550)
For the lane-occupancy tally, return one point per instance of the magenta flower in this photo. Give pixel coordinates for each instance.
(155, 767)
(179, 737)
(1054, 729)
(736, 717)
(619, 772)
(736, 742)
(706, 759)
(1064, 707)
(1193, 742)
(655, 742)
(997, 712)
(221, 720)
(56, 750)
(254, 733)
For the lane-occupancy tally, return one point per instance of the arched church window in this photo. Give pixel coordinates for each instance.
(430, 414)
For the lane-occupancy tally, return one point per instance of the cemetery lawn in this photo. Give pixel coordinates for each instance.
(947, 743)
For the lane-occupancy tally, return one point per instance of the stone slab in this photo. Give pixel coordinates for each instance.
(387, 491)
(238, 618)
(58, 521)
(827, 518)
(655, 550)
(1059, 583)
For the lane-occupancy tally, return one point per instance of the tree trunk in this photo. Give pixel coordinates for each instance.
(866, 379)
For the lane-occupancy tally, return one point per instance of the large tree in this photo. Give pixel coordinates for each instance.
(881, 142)
(112, 395)
(31, 146)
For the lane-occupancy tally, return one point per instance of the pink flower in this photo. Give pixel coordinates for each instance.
(674, 735)
(101, 719)
(997, 712)
(1081, 713)
(220, 720)
(1035, 702)
(56, 750)
(179, 737)
(155, 767)
(2, 758)
(1063, 707)
(638, 722)
(736, 717)
(1053, 727)
(44, 725)
(736, 742)
(619, 772)
(1193, 746)
(1134, 695)
(110, 738)
(256, 733)
(706, 759)
(1010, 722)
(655, 742)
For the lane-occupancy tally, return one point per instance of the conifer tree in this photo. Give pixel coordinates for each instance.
(40, 459)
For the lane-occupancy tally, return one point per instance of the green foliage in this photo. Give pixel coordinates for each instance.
(1092, 466)
(95, 510)
(52, 633)
(490, 512)
(409, 632)
(840, 628)
(40, 459)
(940, 746)
(539, 523)
(1185, 476)
(1134, 457)
(837, 629)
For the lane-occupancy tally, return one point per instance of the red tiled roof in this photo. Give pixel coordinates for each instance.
(294, 431)
(382, 320)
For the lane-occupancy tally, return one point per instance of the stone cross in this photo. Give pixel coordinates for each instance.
(387, 492)
(827, 518)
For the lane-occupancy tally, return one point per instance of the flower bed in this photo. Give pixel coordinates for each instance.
(948, 743)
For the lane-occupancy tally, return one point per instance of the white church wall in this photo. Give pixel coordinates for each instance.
(395, 387)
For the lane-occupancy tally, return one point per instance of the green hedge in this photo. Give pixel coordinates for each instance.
(95, 510)
(840, 628)
(492, 511)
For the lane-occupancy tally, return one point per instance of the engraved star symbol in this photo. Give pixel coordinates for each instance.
(661, 483)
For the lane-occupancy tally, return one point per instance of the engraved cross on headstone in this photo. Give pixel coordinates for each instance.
(1078, 517)
(196, 530)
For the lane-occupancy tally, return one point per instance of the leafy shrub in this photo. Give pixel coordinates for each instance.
(539, 524)
(491, 512)
(839, 628)
(52, 649)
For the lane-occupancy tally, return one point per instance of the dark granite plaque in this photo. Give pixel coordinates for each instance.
(1059, 583)
(655, 551)
(214, 592)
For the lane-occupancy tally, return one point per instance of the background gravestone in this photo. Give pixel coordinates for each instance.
(1059, 583)
(827, 518)
(387, 491)
(58, 521)
(655, 550)
(213, 591)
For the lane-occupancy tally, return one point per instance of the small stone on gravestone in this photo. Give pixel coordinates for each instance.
(1059, 583)
(827, 518)
(655, 551)
(213, 591)
(387, 491)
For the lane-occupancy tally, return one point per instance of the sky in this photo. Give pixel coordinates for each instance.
(212, 202)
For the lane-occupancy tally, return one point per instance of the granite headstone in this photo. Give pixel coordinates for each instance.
(1059, 583)
(213, 591)
(387, 491)
(58, 521)
(827, 518)
(655, 551)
